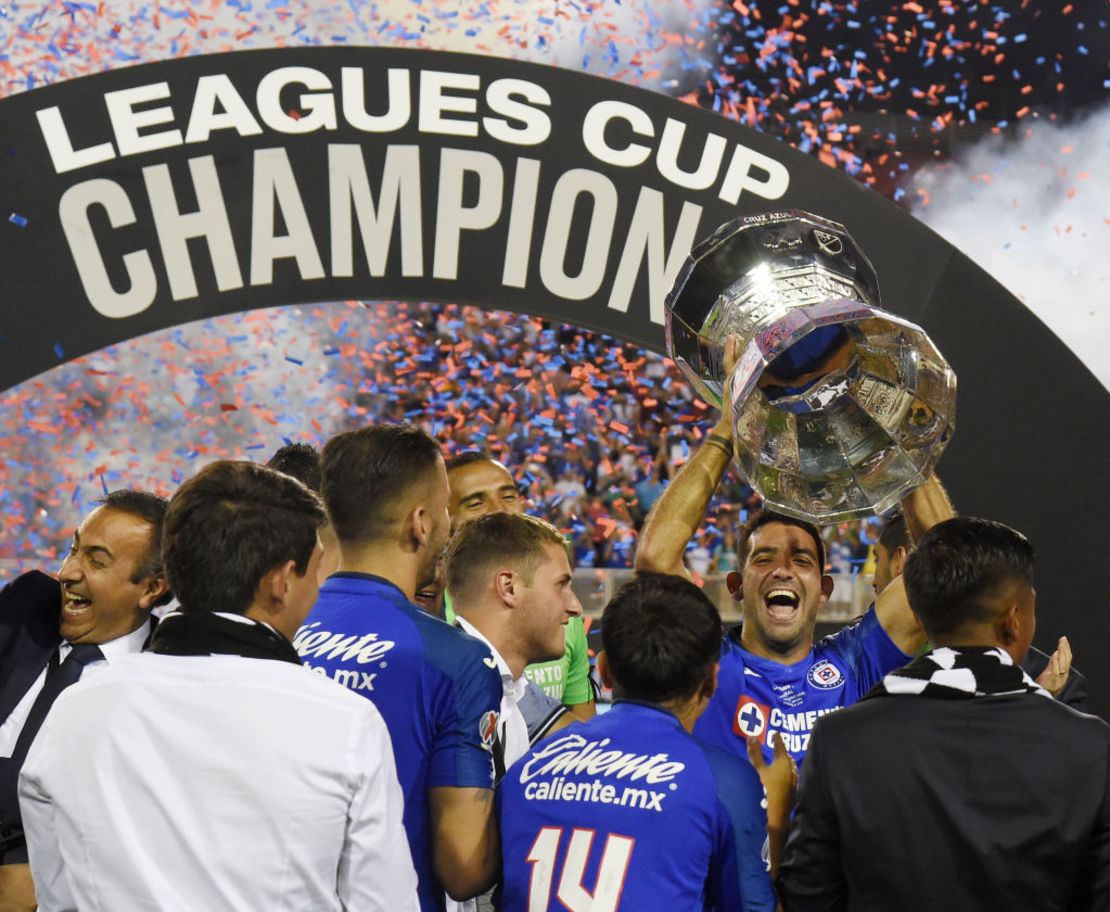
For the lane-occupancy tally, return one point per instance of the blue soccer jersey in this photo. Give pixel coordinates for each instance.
(628, 811)
(436, 688)
(757, 696)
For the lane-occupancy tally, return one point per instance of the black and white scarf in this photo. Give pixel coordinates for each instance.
(959, 674)
(206, 633)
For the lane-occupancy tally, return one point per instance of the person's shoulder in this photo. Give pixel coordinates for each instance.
(452, 651)
(291, 684)
(32, 589)
(441, 638)
(860, 719)
(576, 630)
(349, 606)
(1077, 723)
(731, 650)
(864, 636)
(856, 629)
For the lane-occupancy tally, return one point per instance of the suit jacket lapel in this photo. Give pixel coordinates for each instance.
(22, 675)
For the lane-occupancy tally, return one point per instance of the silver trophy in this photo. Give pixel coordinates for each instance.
(839, 408)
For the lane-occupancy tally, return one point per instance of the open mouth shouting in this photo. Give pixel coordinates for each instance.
(782, 604)
(75, 607)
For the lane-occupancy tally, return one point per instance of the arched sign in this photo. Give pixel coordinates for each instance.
(155, 195)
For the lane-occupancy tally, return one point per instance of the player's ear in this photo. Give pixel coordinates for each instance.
(827, 584)
(734, 582)
(418, 525)
(709, 685)
(1007, 624)
(898, 561)
(603, 670)
(506, 583)
(155, 587)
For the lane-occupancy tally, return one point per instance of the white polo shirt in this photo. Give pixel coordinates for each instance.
(181, 783)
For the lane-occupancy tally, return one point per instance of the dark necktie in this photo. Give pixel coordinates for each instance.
(59, 676)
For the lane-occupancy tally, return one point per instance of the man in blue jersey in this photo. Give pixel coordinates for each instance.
(775, 681)
(628, 811)
(438, 690)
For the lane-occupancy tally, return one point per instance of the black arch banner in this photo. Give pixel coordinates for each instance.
(155, 195)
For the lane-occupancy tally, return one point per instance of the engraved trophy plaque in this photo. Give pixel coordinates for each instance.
(840, 409)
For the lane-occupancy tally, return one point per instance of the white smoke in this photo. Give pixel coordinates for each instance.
(1035, 213)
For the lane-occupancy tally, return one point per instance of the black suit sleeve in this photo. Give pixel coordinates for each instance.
(1074, 693)
(27, 603)
(812, 879)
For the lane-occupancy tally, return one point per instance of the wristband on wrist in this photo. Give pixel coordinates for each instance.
(722, 443)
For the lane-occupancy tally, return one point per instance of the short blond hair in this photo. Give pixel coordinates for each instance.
(515, 540)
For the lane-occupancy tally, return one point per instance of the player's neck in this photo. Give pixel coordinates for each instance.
(752, 642)
(497, 629)
(393, 565)
(687, 711)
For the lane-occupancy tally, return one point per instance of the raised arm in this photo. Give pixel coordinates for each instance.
(680, 510)
(926, 506)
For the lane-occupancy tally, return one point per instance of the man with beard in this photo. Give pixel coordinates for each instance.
(775, 679)
(438, 690)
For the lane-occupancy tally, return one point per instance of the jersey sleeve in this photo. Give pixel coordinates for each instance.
(467, 704)
(739, 875)
(578, 689)
(867, 650)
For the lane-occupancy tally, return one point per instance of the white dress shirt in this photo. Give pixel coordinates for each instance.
(511, 725)
(512, 728)
(113, 650)
(216, 783)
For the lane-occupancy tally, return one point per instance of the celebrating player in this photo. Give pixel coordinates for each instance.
(774, 680)
(628, 811)
(386, 491)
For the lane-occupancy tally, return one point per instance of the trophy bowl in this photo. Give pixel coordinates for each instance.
(839, 408)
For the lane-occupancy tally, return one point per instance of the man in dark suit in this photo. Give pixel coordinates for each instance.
(52, 631)
(1053, 672)
(958, 782)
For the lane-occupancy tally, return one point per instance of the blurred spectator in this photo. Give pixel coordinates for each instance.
(598, 425)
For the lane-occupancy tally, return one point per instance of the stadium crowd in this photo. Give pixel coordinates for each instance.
(593, 427)
(354, 679)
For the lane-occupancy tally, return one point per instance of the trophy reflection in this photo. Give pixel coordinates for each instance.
(839, 408)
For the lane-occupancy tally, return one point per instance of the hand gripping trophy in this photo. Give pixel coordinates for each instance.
(839, 408)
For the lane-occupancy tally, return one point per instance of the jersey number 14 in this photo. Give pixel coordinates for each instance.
(571, 892)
